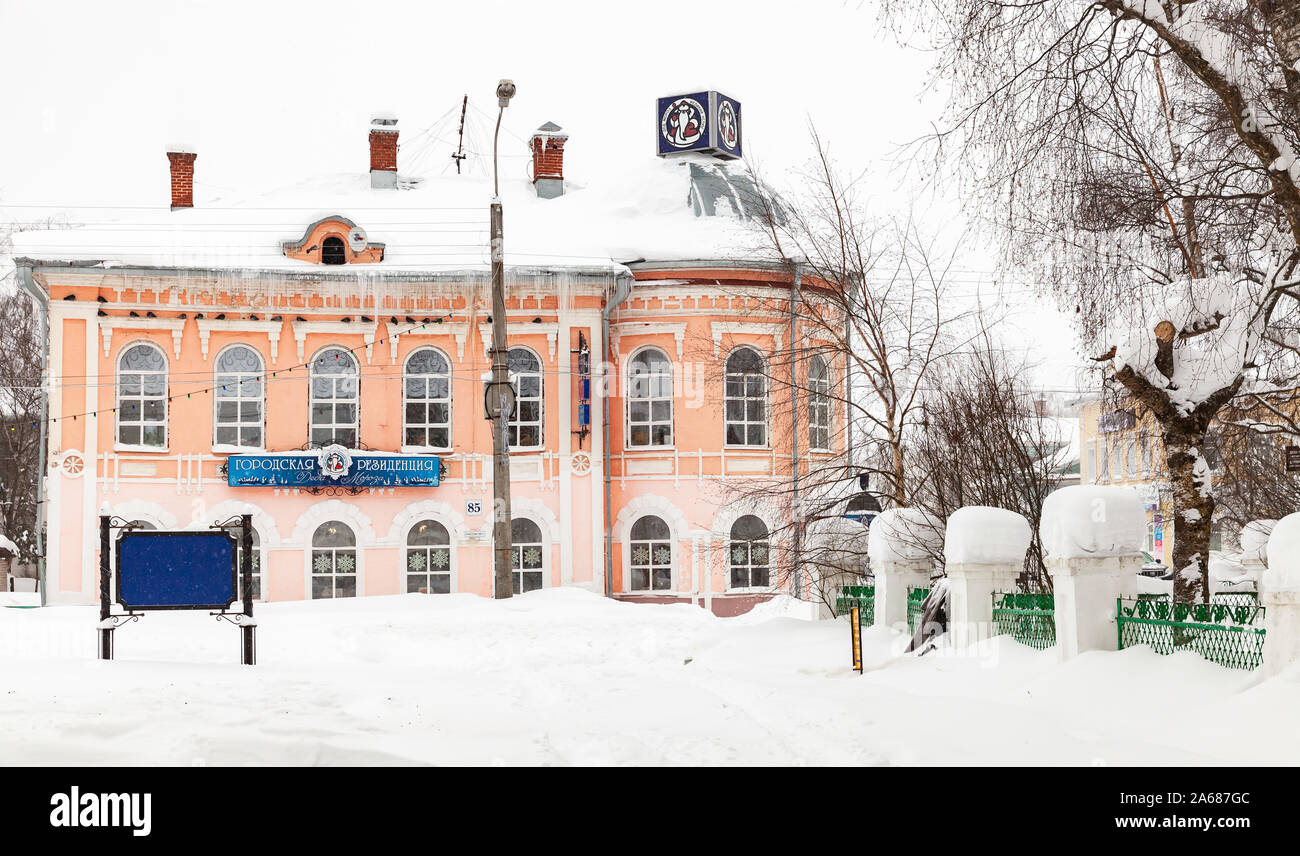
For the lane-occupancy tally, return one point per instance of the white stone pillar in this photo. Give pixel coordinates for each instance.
(984, 551)
(902, 545)
(1280, 596)
(1254, 548)
(893, 579)
(1092, 543)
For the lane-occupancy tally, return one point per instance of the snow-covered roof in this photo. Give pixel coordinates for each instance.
(671, 210)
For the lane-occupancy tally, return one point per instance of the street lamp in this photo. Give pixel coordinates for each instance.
(499, 398)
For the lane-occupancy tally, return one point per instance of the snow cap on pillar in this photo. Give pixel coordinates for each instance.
(1254, 540)
(904, 535)
(1093, 521)
(983, 535)
(1283, 572)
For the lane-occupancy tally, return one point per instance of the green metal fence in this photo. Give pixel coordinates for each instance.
(1229, 630)
(1029, 618)
(916, 596)
(863, 597)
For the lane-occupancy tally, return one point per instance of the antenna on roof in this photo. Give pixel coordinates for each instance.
(459, 154)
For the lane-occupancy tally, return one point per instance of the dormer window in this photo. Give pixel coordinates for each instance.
(333, 251)
(334, 240)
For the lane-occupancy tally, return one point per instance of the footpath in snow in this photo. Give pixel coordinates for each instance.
(564, 676)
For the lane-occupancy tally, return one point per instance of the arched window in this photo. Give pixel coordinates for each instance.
(652, 555)
(746, 399)
(257, 565)
(819, 404)
(525, 428)
(333, 252)
(334, 394)
(650, 399)
(333, 561)
(862, 502)
(428, 558)
(427, 400)
(238, 399)
(527, 554)
(142, 397)
(749, 553)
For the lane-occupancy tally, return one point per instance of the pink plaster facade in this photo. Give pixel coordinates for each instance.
(695, 316)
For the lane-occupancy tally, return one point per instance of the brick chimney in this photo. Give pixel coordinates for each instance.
(383, 150)
(548, 160)
(182, 163)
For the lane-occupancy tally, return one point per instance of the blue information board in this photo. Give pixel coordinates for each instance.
(176, 570)
(333, 467)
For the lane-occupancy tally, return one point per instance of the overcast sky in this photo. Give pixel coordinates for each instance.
(271, 93)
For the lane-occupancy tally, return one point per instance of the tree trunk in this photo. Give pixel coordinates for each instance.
(1193, 508)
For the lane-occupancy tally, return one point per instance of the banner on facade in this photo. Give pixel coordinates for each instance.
(333, 466)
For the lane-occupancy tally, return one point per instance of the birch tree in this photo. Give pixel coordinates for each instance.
(1139, 157)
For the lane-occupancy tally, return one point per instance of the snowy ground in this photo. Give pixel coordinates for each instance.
(567, 677)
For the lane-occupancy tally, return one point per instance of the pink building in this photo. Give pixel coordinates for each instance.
(197, 348)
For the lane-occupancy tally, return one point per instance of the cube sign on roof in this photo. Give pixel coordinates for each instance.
(706, 122)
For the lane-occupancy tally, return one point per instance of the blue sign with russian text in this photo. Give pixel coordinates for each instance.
(333, 466)
(176, 570)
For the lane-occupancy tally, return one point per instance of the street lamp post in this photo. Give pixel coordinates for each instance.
(500, 398)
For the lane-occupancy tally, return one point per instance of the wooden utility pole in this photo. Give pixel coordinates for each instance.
(501, 395)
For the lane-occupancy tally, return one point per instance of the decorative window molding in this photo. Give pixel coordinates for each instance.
(262, 522)
(422, 510)
(303, 329)
(271, 329)
(175, 326)
(333, 509)
(748, 329)
(647, 328)
(139, 509)
(516, 329)
(397, 331)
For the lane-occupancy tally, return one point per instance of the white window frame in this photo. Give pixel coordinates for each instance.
(313, 400)
(819, 405)
(516, 555)
(427, 426)
(649, 565)
(515, 424)
(749, 565)
(141, 422)
(427, 550)
(651, 380)
(241, 378)
(333, 573)
(745, 398)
